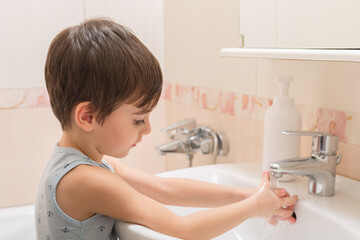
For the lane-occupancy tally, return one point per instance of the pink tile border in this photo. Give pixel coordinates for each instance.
(344, 124)
(23, 98)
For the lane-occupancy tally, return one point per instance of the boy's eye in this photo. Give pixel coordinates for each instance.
(139, 122)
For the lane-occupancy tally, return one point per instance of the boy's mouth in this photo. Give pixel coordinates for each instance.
(134, 145)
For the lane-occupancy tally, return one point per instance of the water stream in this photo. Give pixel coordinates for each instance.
(274, 232)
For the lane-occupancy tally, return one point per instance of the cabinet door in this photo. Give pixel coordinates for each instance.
(27, 29)
(300, 23)
(258, 23)
(318, 24)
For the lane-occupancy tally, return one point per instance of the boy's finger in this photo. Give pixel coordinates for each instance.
(284, 213)
(266, 176)
(291, 207)
(289, 219)
(275, 219)
(281, 192)
(289, 201)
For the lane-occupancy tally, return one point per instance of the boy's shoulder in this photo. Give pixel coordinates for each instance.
(83, 184)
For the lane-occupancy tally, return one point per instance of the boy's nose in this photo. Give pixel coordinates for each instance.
(147, 129)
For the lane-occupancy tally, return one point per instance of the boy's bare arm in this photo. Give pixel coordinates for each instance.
(178, 191)
(108, 194)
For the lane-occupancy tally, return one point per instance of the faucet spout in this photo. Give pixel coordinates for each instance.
(319, 168)
(297, 166)
(321, 174)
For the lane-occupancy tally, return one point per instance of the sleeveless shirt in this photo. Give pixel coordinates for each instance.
(51, 222)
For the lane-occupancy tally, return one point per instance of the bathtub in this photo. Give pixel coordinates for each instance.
(17, 223)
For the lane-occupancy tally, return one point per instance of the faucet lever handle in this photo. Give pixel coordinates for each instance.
(322, 142)
(307, 133)
(185, 126)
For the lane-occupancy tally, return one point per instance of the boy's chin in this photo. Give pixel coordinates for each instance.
(122, 154)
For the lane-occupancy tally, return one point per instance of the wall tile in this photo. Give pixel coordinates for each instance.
(23, 98)
(245, 140)
(331, 85)
(28, 138)
(245, 136)
(343, 124)
(350, 164)
(195, 31)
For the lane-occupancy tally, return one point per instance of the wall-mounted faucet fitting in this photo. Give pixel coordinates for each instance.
(188, 139)
(320, 167)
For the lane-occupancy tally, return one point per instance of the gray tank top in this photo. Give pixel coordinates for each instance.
(51, 222)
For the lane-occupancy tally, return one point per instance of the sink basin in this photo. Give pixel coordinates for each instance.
(328, 218)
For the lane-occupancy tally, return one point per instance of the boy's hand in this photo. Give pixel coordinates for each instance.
(281, 192)
(270, 204)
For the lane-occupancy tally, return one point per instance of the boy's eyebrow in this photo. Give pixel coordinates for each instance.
(142, 112)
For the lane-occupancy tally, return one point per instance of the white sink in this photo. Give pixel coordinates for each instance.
(330, 218)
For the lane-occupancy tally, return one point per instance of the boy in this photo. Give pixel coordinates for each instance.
(103, 83)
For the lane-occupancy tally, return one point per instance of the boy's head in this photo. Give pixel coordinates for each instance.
(101, 62)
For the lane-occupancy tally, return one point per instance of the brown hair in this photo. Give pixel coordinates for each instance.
(102, 62)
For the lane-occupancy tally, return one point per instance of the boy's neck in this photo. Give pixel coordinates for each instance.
(67, 140)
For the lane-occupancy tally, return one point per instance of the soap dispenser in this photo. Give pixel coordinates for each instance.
(281, 116)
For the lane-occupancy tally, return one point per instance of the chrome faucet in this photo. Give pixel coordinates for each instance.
(188, 139)
(319, 167)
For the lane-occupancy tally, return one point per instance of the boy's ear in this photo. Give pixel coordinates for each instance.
(84, 116)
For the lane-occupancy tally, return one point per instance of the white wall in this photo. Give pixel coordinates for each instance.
(28, 27)
(143, 17)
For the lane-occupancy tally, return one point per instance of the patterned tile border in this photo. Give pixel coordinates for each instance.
(23, 98)
(344, 124)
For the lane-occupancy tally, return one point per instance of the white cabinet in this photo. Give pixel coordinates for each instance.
(300, 23)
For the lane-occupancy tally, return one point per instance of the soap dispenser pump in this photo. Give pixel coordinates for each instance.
(281, 116)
